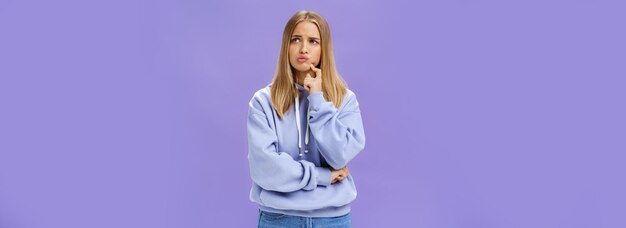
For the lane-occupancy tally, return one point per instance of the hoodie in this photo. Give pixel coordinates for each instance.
(290, 158)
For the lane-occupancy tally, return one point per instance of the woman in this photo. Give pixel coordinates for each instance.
(303, 129)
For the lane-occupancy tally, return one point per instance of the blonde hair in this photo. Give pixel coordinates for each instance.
(283, 90)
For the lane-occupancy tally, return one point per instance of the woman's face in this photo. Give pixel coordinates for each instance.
(304, 46)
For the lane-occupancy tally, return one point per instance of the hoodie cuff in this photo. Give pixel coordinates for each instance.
(316, 99)
(323, 176)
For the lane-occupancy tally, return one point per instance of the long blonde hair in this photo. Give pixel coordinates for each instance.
(283, 91)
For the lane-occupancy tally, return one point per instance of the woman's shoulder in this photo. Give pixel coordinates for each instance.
(264, 92)
(349, 101)
(349, 93)
(349, 96)
(261, 98)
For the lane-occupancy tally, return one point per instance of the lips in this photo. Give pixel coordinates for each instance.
(302, 59)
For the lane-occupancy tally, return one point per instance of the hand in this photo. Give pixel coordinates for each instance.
(337, 175)
(313, 83)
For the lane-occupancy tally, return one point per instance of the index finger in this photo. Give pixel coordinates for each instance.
(317, 70)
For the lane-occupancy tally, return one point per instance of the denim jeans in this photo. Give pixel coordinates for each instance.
(274, 220)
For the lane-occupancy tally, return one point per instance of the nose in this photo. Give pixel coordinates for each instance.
(304, 49)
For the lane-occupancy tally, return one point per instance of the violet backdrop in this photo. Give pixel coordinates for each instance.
(477, 113)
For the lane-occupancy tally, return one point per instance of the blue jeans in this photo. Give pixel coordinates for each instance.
(274, 220)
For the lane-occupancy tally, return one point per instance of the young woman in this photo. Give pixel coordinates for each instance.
(303, 129)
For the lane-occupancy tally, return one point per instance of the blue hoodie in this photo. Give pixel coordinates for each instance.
(290, 158)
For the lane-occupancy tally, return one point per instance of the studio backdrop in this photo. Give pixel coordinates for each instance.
(476, 113)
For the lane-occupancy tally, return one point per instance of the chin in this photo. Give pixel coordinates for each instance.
(302, 67)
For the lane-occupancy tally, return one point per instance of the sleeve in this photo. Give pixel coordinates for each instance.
(274, 170)
(338, 133)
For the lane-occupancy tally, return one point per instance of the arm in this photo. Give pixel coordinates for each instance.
(338, 133)
(273, 170)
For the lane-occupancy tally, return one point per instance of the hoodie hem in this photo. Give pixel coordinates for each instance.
(326, 212)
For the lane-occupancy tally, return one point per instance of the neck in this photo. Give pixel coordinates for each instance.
(300, 77)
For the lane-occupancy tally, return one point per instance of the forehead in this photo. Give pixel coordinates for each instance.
(306, 28)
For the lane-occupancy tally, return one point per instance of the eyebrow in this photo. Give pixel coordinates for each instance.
(299, 36)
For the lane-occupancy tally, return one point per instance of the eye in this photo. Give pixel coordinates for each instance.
(295, 40)
(314, 42)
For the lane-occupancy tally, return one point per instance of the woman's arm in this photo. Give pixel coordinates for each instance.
(274, 170)
(339, 133)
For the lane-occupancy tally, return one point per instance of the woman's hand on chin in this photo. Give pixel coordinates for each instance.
(313, 83)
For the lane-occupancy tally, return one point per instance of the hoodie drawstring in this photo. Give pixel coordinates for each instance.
(306, 136)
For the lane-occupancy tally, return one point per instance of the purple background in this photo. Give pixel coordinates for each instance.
(477, 113)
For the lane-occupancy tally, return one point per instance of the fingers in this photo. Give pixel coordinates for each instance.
(345, 169)
(318, 72)
(346, 173)
(343, 174)
(339, 174)
(313, 68)
(308, 81)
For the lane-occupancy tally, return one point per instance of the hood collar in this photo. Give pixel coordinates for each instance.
(299, 87)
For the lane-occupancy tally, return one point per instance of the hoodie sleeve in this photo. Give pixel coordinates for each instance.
(275, 170)
(338, 133)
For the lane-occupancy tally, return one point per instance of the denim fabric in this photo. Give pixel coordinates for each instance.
(274, 220)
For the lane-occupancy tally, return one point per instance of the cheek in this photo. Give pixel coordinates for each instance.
(293, 55)
(292, 52)
(316, 53)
